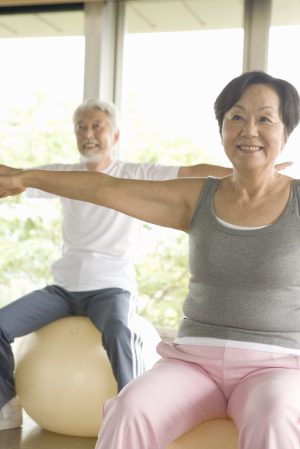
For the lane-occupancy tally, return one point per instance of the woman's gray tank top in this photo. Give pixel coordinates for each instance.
(244, 284)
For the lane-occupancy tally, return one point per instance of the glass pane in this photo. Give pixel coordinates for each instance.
(284, 39)
(177, 57)
(171, 78)
(41, 84)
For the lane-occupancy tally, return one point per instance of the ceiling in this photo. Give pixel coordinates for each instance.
(174, 15)
(42, 24)
(142, 16)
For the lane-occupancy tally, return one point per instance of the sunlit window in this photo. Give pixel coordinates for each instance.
(177, 57)
(284, 38)
(42, 63)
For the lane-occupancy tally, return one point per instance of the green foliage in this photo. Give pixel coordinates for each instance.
(163, 278)
(30, 239)
(33, 136)
(162, 275)
(30, 229)
(168, 152)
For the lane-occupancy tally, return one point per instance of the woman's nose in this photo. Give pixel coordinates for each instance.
(249, 128)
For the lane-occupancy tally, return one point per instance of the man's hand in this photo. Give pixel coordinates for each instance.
(283, 165)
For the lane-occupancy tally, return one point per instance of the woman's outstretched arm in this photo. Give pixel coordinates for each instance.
(165, 203)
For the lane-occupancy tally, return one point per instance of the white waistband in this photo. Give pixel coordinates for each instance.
(206, 341)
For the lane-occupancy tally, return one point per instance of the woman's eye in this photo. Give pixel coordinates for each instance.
(265, 119)
(236, 117)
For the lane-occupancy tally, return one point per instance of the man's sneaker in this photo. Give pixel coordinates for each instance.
(10, 415)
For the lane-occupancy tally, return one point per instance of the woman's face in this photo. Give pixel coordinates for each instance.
(253, 133)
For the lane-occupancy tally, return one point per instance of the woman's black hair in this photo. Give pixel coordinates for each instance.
(288, 95)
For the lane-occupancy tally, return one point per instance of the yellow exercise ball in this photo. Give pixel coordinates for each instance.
(213, 434)
(63, 375)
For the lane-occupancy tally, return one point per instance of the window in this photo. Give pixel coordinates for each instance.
(284, 41)
(177, 57)
(42, 64)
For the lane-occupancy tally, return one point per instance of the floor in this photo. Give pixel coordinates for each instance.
(31, 436)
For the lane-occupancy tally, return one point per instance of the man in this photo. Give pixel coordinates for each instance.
(95, 274)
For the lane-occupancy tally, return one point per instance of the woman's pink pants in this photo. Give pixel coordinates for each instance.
(258, 390)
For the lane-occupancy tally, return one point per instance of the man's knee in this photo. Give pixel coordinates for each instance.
(115, 331)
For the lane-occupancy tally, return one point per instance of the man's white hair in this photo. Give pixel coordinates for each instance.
(109, 108)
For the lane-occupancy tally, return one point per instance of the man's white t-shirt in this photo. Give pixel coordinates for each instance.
(100, 245)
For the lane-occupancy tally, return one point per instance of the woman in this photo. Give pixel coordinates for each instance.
(237, 352)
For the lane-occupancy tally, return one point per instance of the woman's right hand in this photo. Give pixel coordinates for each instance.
(5, 170)
(9, 185)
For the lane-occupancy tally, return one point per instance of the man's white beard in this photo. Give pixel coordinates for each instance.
(92, 157)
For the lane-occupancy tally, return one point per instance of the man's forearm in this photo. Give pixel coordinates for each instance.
(204, 170)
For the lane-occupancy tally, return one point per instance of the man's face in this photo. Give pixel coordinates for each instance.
(94, 134)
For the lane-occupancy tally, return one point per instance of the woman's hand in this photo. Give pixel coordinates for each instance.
(9, 185)
(5, 170)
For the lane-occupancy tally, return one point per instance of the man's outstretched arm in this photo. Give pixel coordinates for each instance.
(204, 170)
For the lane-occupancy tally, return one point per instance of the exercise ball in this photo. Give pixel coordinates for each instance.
(213, 434)
(63, 375)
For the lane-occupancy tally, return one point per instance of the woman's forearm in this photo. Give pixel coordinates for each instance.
(77, 185)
